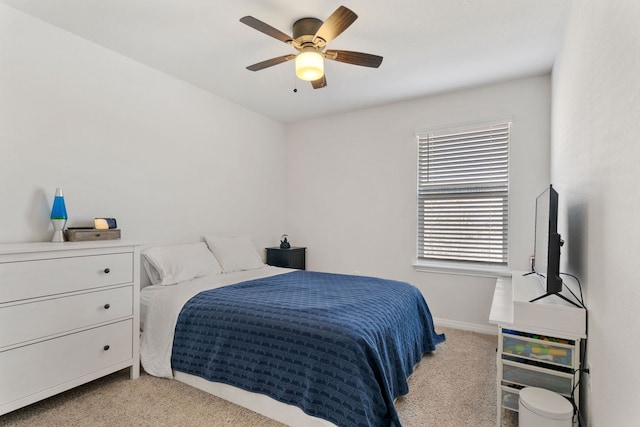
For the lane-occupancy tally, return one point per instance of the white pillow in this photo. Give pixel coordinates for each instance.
(235, 253)
(167, 265)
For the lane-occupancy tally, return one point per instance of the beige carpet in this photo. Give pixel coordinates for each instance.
(455, 386)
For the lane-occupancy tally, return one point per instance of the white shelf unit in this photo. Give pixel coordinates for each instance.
(538, 342)
(69, 314)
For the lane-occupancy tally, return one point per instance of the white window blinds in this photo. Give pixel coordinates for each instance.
(463, 194)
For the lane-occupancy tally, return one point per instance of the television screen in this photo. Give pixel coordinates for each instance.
(540, 251)
(548, 241)
(547, 246)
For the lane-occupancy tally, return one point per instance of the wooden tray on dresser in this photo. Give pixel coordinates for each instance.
(90, 234)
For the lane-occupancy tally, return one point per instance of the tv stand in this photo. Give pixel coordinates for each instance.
(539, 343)
(559, 295)
(549, 293)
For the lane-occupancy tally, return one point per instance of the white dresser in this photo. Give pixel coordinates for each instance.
(69, 313)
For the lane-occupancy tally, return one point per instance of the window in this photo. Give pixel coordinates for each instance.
(463, 195)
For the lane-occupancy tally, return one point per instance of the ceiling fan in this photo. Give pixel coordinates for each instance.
(310, 37)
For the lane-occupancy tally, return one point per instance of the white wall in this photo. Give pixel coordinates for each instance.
(169, 161)
(595, 156)
(352, 188)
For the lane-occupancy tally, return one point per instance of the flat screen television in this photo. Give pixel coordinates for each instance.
(546, 253)
(547, 244)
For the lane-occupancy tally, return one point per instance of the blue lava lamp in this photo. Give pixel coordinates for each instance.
(58, 216)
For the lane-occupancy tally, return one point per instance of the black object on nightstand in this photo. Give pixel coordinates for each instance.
(290, 258)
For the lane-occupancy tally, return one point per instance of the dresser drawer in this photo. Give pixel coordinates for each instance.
(35, 368)
(30, 279)
(522, 375)
(26, 321)
(543, 350)
(510, 398)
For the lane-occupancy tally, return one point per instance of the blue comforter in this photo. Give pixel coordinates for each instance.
(339, 347)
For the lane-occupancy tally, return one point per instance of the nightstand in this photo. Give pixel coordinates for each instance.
(292, 257)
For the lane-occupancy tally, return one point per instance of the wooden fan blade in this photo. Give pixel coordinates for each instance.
(335, 24)
(320, 83)
(267, 29)
(270, 62)
(355, 58)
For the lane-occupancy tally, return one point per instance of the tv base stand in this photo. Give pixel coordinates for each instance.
(559, 295)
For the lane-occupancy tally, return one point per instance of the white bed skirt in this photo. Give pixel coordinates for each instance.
(260, 403)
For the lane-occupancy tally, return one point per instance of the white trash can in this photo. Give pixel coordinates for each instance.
(538, 407)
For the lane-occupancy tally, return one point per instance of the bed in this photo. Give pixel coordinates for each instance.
(305, 348)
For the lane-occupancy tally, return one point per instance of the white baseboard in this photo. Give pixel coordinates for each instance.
(474, 327)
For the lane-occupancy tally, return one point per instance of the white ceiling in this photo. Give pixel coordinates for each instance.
(429, 46)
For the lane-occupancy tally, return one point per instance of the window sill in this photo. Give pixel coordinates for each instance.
(461, 268)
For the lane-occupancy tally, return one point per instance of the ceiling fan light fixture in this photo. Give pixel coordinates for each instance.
(309, 65)
(310, 37)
